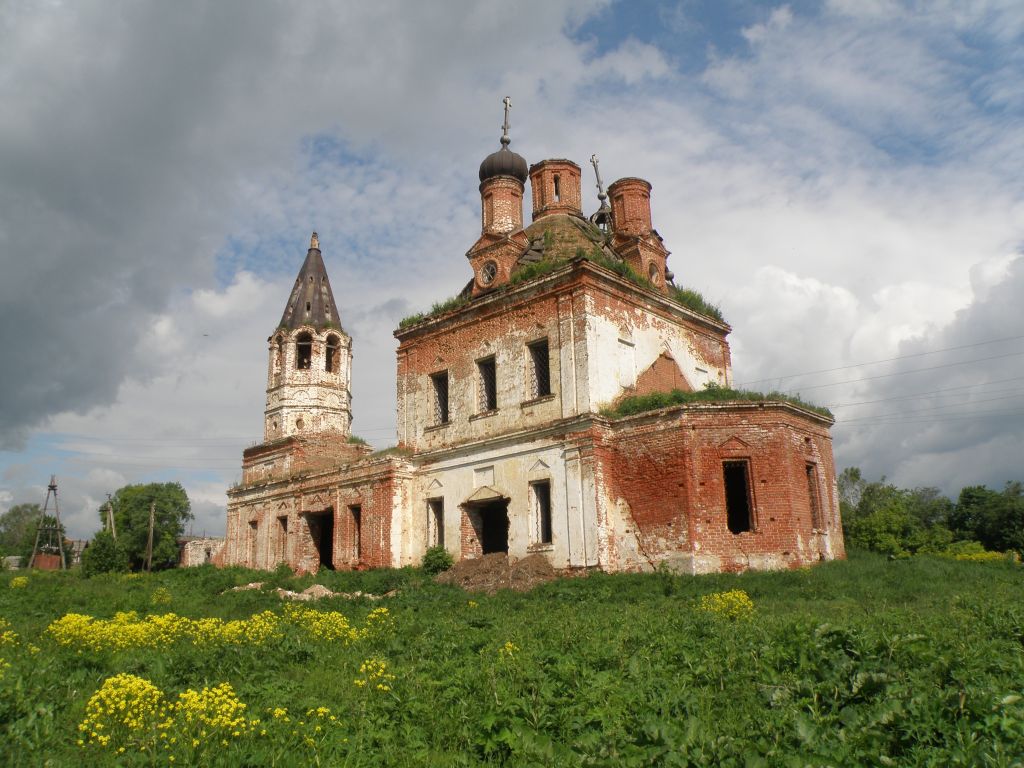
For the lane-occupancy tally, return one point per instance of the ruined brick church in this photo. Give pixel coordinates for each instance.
(508, 440)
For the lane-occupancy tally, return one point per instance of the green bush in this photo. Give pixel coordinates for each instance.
(104, 555)
(437, 559)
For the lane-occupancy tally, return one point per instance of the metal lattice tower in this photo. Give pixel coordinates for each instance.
(49, 537)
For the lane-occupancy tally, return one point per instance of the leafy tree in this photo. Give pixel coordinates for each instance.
(131, 519)
(966, 518)
(18, 526)
(1000, 519)
(851, 486)
(104, 555)
(895, 521)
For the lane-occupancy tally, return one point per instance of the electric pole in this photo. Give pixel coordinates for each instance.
(149, 541)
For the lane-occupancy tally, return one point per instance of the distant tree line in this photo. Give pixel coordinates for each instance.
(884, 518)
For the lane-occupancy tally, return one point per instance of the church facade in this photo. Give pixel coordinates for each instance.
(509, 439)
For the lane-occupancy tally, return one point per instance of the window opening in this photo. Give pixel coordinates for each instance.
(253, 530)
(435, 522)
(488, 384)
(332, 360)
(558, 188)
(282, 539)
(540, 371)
(356, 511)
(542, 510)
(737, 496)
(814, 497)
(440, 384)
(303, 351)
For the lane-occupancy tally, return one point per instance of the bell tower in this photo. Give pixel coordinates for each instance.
(309, 373)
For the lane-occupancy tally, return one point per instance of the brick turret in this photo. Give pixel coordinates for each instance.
(632, 233)
(556, 188)
(501, 205)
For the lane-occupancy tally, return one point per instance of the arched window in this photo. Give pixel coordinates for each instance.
(332, 361)
(303, 351)
(278, 354)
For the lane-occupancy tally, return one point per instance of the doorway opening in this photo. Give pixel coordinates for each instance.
(493, 526)
(356, 512)
(321, 529)
(739, 510)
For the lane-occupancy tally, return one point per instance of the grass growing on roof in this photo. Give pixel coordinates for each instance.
(713, 394)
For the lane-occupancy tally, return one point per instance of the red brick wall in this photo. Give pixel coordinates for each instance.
(663, 376)
(669, 469)
(542, 187)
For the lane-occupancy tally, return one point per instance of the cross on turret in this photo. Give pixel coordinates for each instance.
(507, 101)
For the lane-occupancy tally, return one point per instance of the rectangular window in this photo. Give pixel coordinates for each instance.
(540, 370)
(440, 386)
(541, 493)
(282, 539)
(253, 532)
(738, 506)
(814, 496)
(356, 512)
(435, 522)
(488, 377)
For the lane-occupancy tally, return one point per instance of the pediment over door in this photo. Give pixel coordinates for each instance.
(317, 502)
(484, 495)
(733, 444)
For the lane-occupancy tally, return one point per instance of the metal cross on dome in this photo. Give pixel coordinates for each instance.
(507, 101)
(600, 187)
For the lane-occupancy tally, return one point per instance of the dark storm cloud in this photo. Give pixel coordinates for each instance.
(952, 418)
(127, 129)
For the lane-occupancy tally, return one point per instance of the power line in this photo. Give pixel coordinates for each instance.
(929, 420)
(884, 360)
(914, 395)
(905, 373)
(941, 409)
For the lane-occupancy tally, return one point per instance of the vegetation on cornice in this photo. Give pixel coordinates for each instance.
(688, 297)
(692, 299)
(712, 394)
(439, 308)
(394, 450)
(356, 440)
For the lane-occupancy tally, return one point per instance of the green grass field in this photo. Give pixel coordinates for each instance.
(864, 662)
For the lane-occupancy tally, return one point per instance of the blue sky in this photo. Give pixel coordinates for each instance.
(843, 177)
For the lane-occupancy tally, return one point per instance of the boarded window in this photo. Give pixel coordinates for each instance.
(303, 351)
(814, 496)
(541, 493)
(439, 383)
(435, 522)
(488, 384)
(540, 370)
(282, 539)
(737, 496)
(356, 514)
(253, 532)
(332, 361)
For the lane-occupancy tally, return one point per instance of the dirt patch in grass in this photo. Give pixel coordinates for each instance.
(493, 572)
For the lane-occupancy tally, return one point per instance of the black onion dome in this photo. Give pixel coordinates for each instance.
(504, 162)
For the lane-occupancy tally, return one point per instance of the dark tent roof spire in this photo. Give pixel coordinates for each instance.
(311, 303)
